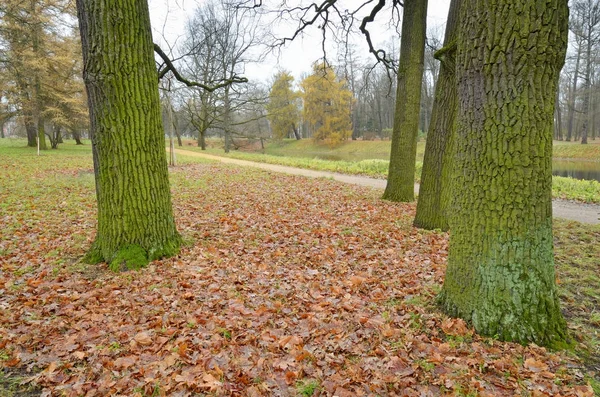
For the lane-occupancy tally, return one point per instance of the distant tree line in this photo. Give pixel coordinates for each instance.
(41, 87)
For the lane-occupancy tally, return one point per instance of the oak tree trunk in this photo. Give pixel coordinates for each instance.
(31, 130)
(500, 275)
(135, 215)
(437, 162)
(401, 174)
(77, 137)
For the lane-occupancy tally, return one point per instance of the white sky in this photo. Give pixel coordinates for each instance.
(169, 17)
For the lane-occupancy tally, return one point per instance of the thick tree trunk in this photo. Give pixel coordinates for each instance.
(500, 275)
(77, 137)
(41, 133)
(401, 175)
(55, 137)
(296, 133)
(203, 124)
(178, 135)
(31, 130)
(135, 215)
(437, 162)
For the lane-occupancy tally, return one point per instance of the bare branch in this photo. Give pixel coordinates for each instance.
(170, 67)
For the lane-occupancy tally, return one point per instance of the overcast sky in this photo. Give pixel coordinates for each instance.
(169, 18)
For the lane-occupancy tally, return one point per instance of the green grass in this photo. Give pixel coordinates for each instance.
(564, 188)
(349, 151)
(371, 167)
(576, 253)
(307, 387)
(575, 150)
(13, 384)
(576, 189)
(363, 150)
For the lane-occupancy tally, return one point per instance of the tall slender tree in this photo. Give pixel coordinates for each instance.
(500, 275)
(437, 162)
(135, 215)
(327, 105)
(586, 17)
(282, 110)
(401, 175)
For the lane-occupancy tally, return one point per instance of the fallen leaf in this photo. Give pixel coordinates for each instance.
(143, 338)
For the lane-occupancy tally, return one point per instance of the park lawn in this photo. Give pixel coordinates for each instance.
(366, 150)
(575, 150)
(286, 285)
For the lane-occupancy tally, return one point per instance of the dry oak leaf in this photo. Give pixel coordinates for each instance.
(584, 391)
(210, 382)
(288, 342)
(125, 362)
(143, 339)
(455, 326)
(534, 365)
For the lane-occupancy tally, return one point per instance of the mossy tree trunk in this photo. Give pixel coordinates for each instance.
(41, 133)
(31, 129)
(135, 215)
(401, 174)
(500, 275)
(437, 162)
(77, 137)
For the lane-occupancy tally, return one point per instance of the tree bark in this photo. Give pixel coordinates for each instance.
(31, 130)
(41, 133)
(296, 133)
(227, 120)
(401, 174)
(77, 137)
(135, 215)
(55, 137)
(500, 275)
(437, 161)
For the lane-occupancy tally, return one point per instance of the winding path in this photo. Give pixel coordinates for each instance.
(580, 212)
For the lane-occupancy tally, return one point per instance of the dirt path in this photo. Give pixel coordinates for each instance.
(581, 212)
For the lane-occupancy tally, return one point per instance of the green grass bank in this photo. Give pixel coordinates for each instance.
(369, 161)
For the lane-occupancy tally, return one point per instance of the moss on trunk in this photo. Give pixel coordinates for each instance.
(437, 163)
(135, 215)
(401, 175)
(500, 274)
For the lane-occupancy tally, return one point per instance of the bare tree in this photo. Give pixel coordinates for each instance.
(220, 41)
(585, 25)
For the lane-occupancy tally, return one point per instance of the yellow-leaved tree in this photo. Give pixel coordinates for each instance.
(327, 103)
(282, 109)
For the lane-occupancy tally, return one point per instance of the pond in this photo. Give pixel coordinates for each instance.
(588, 170)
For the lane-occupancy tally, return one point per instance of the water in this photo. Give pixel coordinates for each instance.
(588, 170)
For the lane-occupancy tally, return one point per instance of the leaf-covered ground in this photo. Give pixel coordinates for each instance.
(287, 286)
